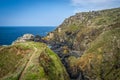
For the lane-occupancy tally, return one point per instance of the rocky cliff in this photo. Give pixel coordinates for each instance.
(89, 44)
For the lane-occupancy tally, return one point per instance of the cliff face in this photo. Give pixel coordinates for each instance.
(93, 44)
(86, 25)
(101, 60)
(30, 61)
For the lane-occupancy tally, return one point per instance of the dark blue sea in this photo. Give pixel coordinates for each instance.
(10, 34)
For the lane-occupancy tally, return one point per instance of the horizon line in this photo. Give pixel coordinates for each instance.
(29, 26)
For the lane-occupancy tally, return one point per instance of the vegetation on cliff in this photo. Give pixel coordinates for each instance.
(95, 37)
(30, 61)
(102, 59)
(88, 44)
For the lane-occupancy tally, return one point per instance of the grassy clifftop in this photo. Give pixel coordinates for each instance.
(30, 61)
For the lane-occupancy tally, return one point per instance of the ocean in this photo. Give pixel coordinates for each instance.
(10, 34)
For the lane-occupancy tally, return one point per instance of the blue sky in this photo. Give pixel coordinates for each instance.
(47, 12)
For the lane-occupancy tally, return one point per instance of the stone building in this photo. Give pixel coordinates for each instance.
(50, 35)
(59, 30)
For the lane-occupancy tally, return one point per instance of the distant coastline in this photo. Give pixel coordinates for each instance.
(8, 34)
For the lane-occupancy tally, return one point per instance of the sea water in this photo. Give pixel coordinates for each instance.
(10, 34)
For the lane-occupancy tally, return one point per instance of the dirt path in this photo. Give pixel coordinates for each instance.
(1, 49)
(27, 64)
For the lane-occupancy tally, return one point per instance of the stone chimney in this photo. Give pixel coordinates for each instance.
(51, 35)
(59, 30)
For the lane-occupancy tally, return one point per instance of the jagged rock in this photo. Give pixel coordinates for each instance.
(24, 38)
(38, 38)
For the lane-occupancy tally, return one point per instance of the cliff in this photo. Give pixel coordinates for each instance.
(86, 25)
(30, 61)
(89, 44)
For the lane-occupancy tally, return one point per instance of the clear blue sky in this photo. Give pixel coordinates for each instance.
(46, 12)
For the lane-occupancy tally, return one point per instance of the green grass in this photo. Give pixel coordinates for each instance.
(103, 57)
(8, 60)
(43, 65)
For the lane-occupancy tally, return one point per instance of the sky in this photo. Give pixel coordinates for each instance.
(47, 12)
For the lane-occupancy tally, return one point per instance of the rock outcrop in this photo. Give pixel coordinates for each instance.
(24, 38)
(29, 37)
